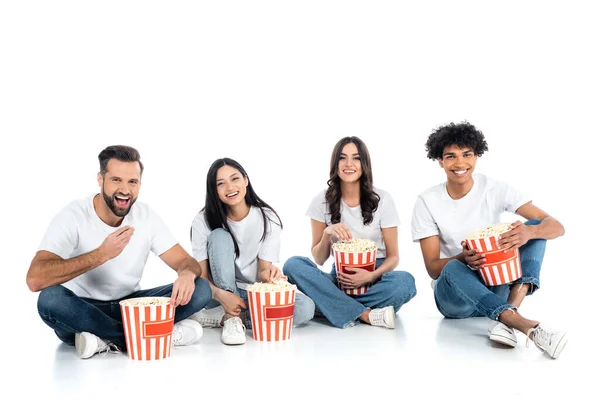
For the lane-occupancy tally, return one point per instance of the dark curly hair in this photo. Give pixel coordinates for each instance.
(464, 135)
(369, 200)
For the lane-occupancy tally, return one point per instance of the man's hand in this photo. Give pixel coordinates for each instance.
(517, 236)
(183, 288)
(114, 243)
(472, 258)
(356, 277)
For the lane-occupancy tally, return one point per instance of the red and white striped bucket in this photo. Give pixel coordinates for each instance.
(148, 325)
(272, 314)
(365, 260)
(500, 267)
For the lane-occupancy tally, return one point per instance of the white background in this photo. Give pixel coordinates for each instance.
(275, 85)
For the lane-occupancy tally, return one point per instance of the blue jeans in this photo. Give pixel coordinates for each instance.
(69, 314)
(460, 292)
(395, 288)
(221, 258)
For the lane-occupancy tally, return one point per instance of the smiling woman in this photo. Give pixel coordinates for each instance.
(237, 236)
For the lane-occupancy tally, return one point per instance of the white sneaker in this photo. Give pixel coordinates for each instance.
(87, 344)
(186, 332)
(385, 317)
(209, 318)
(234, 331)
(549, 341)
(502, 334)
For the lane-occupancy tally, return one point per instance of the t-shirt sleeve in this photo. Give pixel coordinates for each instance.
(62, 236)
(389, 213)
(162, 238)
(422, 224)
(318, 208)
(508, 198)
(269, 247)
(199, 237)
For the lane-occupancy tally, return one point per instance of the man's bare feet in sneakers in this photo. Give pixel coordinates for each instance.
(186, 332)
(385, 317)
(550, 341)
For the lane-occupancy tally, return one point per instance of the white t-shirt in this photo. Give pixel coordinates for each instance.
(77, 230)
(385, 216)
(248, 233)
(436, 213)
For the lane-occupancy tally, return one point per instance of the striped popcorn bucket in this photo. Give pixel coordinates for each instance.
(500, 267)
(365, 260)
(148, 325)
(272, 314)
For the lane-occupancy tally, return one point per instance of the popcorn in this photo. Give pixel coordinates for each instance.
(492, 230)
(146, 301)
(279, 286)
(355, 245)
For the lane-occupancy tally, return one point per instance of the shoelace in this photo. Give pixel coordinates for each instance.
(110, 348)
(540, 337)
(209, 321)
(376, 317)
(236, 327)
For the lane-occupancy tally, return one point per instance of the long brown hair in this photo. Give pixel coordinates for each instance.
(369, 200)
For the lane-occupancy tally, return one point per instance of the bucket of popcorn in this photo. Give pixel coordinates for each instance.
(148, 325)
(355, 253)
(500, 267)
(271, 310)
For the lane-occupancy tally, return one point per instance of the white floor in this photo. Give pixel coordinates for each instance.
(425, 355)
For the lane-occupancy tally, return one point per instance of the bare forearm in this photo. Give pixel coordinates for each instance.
(388, 265)
(49, 272)
(548, 229)
(190, 266)
(435, 267)
(322, 250)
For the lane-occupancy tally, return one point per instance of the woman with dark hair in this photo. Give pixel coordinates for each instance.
(352, 208)
(238, 235)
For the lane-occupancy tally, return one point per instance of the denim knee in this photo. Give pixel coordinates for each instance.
(405, 286)
(304, 309)
(533, 221)
(296, 264)
(222, 237)
(202, 295)
(451, 268)
(52, 299)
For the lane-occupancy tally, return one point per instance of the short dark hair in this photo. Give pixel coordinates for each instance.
(464, 135)
(121, 153)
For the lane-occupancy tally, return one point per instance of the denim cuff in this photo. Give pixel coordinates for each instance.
(496, 313)
(534, 283)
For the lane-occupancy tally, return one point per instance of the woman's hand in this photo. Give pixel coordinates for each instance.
(338, 231)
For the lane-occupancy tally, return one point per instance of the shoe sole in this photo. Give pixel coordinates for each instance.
(392, 315)
(561, 345)
(80, 346)
(233, 343)
(503, 340)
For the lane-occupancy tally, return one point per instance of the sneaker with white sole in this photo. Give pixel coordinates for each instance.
(502, 334)
(552, 342)
(186, 332)
(87, 344)
(385, 317)
(209, 318)
(234, 331)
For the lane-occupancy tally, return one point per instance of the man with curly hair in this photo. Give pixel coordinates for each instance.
(445, 214)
